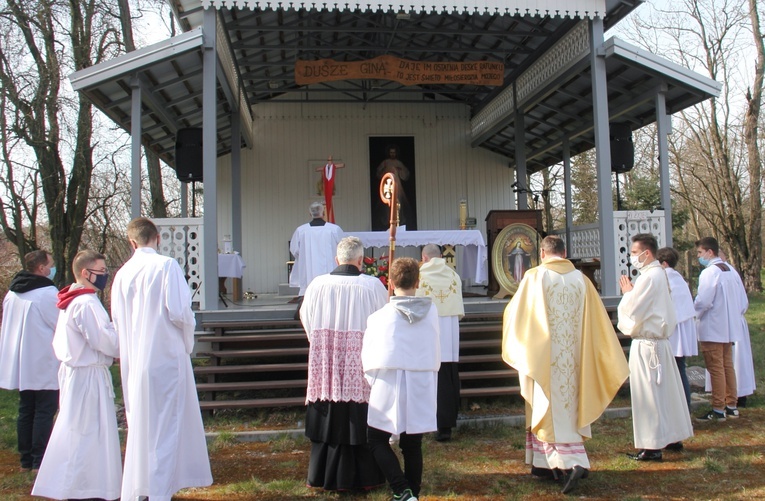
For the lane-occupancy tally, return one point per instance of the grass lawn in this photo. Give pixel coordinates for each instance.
(722, 461)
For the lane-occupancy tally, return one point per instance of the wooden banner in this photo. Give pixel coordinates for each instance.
(403, 71)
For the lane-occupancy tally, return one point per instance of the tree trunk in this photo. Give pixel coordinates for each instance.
(752, 266)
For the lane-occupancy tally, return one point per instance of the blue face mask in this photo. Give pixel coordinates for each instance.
(704, 262)
(100, 281)
(52, 273)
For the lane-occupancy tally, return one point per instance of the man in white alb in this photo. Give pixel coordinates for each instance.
(151, 307)
(558, 336)
(442, 284)
(646, 314)
(313, 245)
(27, 360)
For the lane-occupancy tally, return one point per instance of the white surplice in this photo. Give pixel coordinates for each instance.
(27, 361)
(646, 314)
(166, 448)
(684, 340)
(401, 360)
(83, 458)
(314, 248)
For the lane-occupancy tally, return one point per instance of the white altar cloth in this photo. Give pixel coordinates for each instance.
(230, 265)
(474, 262)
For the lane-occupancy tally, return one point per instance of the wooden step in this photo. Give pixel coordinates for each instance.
(500, 373)
(237, 332)
(481, 343)
(208, 405)
(234, 369)
(239, 337)
(266, 352)
(248, 324)
(467, 328)
(476, 359)
(253, 385)
(490, 391)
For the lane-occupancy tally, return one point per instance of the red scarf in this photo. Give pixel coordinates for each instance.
(66, 296)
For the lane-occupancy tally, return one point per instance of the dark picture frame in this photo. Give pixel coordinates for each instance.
(387, 154)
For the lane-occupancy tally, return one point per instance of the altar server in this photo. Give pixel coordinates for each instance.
(151, 307)
(27, 360)
(334, 314)
(659, 411)
(557, 334)
(313, 245)
(442, 284)
(743, 363)
(401, 360)
(83, 459)
(684, 341)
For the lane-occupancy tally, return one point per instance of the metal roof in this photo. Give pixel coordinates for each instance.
(258, 46)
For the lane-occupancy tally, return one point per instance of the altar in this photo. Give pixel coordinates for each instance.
(231, 266)
(472, 264)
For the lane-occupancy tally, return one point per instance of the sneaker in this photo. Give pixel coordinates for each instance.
(711, 416)
(731, 413)
(405, 496)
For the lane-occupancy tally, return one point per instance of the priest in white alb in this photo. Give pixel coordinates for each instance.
(83, 459)
(334, 314)
(313, 245)
(646, 313)
(558, 336)
(444, 286)
(151, 307)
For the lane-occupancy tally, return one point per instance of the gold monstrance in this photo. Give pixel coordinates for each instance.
(388, 195)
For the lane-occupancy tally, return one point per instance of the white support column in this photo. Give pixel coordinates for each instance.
(608, 247)
(662, 130)
(567, 193)
(210, 159)
(236, 181)
(520, 161)
(135, 148)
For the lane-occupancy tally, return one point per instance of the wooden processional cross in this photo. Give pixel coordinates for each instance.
(328, 175)
(388, 195)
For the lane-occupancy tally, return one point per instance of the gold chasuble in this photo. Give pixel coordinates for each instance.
(442, 284)
(527, 340)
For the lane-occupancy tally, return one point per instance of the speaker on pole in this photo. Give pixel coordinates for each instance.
(188, 154)
(622, 149)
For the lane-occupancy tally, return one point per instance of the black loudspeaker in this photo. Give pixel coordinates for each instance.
(188, 154)
(622, 149)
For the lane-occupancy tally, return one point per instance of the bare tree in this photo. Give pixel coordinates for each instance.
(714, 173)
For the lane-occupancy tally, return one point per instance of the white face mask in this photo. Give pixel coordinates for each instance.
(635, 261)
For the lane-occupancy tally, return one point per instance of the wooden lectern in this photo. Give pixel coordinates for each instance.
(498, 219)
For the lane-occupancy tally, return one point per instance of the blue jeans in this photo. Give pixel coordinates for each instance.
(35, 423)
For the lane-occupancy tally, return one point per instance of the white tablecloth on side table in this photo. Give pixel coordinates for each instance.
(473, 264)
(230, 265)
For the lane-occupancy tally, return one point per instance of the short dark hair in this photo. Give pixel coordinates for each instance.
(404, 273)
(668, 255)
(708, 243)
(553, 244)
(35, 259)
(647, 242)
(142, 230)
(84, 260)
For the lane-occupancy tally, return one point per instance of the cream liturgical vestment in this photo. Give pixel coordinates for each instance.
(82, 460)
(314, 248)
(646, 314)
(166, 449)
(442, 284)
(570, 365)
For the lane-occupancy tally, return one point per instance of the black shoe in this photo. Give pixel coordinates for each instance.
(444, 435)
(674, 446)
(545, 473)
(646, 455)
(731, 413)
(711, 417)
(741, 402)
(572, 479)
